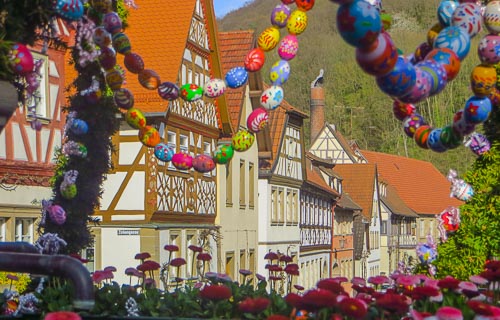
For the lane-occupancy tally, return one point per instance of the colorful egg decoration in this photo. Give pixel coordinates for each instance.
(380, 58)
(21, 59)
(223, 153)
(107, 58)
(112, 22)
(57, 214)
(402, 110)
(182, 161)
(491, 17)
(280, 14)
(421, 136)
(297, 22)
(412, 123)
(436, 73)
(469, 17)
(279, 73)
(289, 45)
(123, 98)
(433, 33)
(214, 88)
(272, 97)
(445, 12)
(254, 60)
(358, 23)
(477, 109)
(236, 77)
(488, 49)
(478, 144)
(460, 125)
(269, 38)
(421, 90)
(135, 118)
(448, 59)
(68, 191)
(400, 80)
(163, 152)
(149, 136)
(242, 140)
(434, 142)
(133, 62)
(149, 79)
(79, 127)
(203, 163)
(304, 5)
(69, 9)
(450, 138)
(257, 120)
(421, 52)
(114, 79)
(483, 80)
(101, 37)
(287, 1)
(191, 92)
(168, 91)
(454, 38)
(121, 43)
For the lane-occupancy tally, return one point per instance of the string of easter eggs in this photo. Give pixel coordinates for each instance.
(412, 79)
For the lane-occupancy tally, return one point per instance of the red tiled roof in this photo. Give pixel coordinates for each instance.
(315, 179)
(421, 186)
(395, 203)
(359, 182)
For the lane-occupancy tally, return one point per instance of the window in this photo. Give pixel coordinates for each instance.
(191, 269)
(251, 185)
(289, 208)
(172, 143)
(40, 97)
(229, 184)
(383, 227)
(243, 264)
(24, 230)
(3, 236)
(281, 206)
(421, 230)
(175, 239)
(89, 254)
(295, 207)
(183, 143)
(230, 264)
(242, 184)
(251, 262)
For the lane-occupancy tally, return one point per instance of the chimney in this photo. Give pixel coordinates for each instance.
(317, 106)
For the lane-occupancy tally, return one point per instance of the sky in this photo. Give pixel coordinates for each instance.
(224, 6)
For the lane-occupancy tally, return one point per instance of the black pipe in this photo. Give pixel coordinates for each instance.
(20, 247)
(54, 265)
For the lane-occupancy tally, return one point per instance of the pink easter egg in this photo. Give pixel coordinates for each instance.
(21, 59)
(182, 161)
(288, 47)
(489, 49)
(257, 120)
(203, 163)
(57, 214)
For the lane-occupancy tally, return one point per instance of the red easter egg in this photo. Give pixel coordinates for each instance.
(182, 161)
(133, 62)
(402, 110)
(380, 58)
(21, 59)
(257, 120)
(288, 1)
(203, 163)
(149, 79)
(304, 5)
(255, 60)
(422, 135)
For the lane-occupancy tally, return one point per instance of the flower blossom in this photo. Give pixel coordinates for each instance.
(254, 305)
(215, 292)
(62, 315)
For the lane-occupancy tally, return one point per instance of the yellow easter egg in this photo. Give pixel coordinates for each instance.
(149, 136)
(135, 118)
(114, 79)
(297, 22)
(269, 38)
(483, 80)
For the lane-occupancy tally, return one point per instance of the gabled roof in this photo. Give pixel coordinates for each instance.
(418, 183)
(340, 138)
(314, 178)
(360, 182)
(397, 206)
(347, 203)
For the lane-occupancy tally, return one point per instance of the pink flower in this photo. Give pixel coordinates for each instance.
(407, 281)
(286, 259)
(149, 265)
(171, 247)
(478, 280)
(203, 256)
(195, 248)
(110, 268)
(177, 262)
(271, 256)
(331, 285)
(340, 279)
(298, 287)
(449, 313)
(316, 299)
(292, 269)
(62, 315)
(12, 277)
(142, 256)
(378, 280)
(358, 281)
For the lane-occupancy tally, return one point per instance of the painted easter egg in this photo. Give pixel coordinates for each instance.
(214, 88)
(135, 118)
(272, 97)
(121, 43)
(478, 144)
(358, 23)
(421, 52)
(488, 49)
(163, 152)
(491, 17)
(102, 6)
(279, 73)
(149, 79)
(168, 91)
(448, 58)
(21, 59)
(68, 191)
(433, 32)
(437, 74)
(269, 38)
(223, 153)
(412, 123)
(402, 110)
(254, 60)
(280, 14)
(460, 125)
(69, 9)
(289, 45)
(469, 17)
(426, 254)
(182, 161)
(133, 62)
(203, 163)
(483, 80)
(421, 135)
(434, 142)
(464, 192)
(79, 127)
(257, 120)
(123, 98)
(421, 90)
(242, 140)
(304, 5)
(297, 22)
(191, 92)
(400, 80)
(287, 1)
(57, 214)
(114, 79)
(112, 22)
(450, 138)
(379, 58)
(107, 58)
(236, 77)
(454, 38)
(101, 37)
(149, 136)
(445, 12)
(477, 109)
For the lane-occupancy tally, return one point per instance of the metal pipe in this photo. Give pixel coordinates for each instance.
(20, 247)
(54, 265)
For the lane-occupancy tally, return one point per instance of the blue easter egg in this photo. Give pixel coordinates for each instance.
(280, 72)
(79, 127)
(400, 81)
(359, 23)
(236, 77)
(69, 9)
(163, 152)
(454, 38)
(477, 110)
(168, 91)
(421, 90)
(434, 141)
(445, 12)
(437, 74)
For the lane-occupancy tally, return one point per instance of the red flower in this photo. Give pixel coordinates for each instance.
(294, 300)
(480, 307)
(353, 307)
(215, 292)
(195, 248)
(331, 285)
(142, 256)
(292, 269)
(171, 247)
(149, 265)
(492, 265)
(254, 305)
(275, 268)
(419, 293)
(286, 259)
(98, 276)
(203, 256)
(177, 262)
(271, 256)
(62, 315)
(448, 282)
(449, 313)
(393, 303)
(277, 317)
(340, 279)
(318, 298)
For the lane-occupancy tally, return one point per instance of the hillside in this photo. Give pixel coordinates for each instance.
(354, 102)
